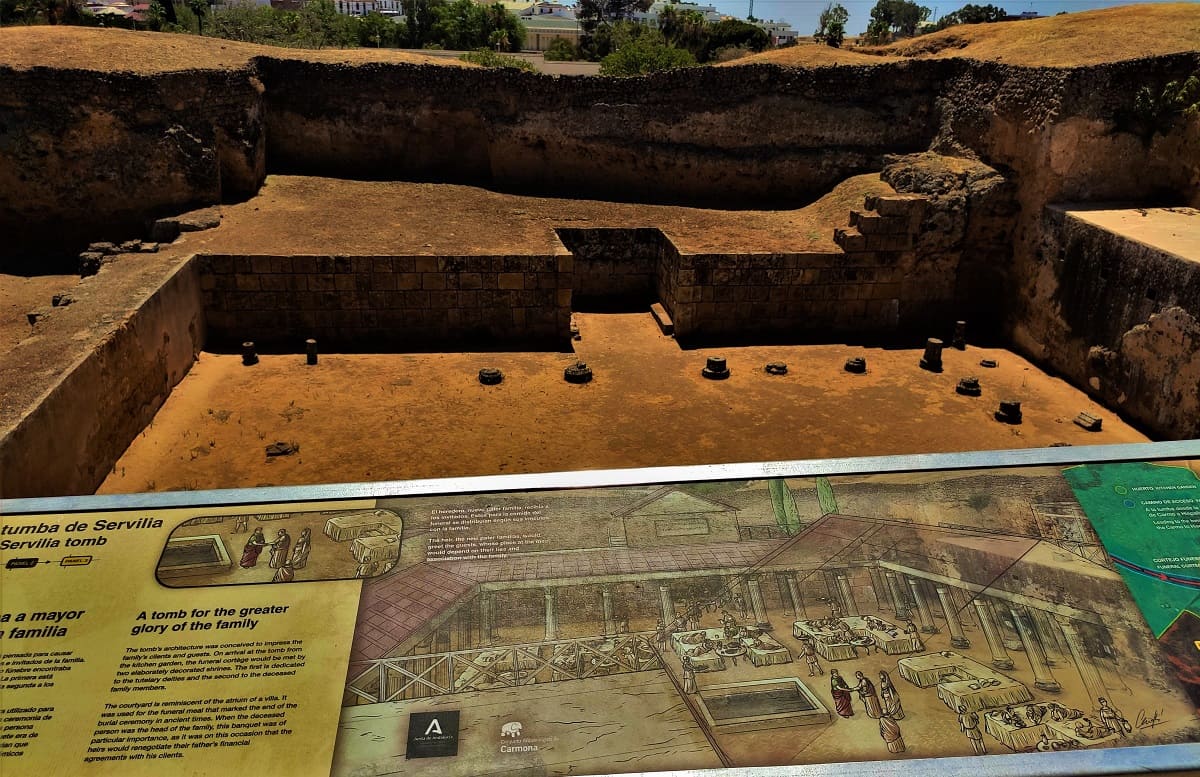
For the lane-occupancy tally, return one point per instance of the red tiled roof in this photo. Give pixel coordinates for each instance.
(615, 561)
(395, 607)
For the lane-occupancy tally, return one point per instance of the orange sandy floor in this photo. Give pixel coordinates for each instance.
(384, 417)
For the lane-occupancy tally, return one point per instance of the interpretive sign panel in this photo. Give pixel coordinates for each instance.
(872, 612)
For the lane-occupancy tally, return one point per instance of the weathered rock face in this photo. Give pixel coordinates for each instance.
(1123, 322)
(86, 156)
(1154, 374)
(964, 235)
(720, 135)
(1065, 135)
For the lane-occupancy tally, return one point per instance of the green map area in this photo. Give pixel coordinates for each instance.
(1148, 517)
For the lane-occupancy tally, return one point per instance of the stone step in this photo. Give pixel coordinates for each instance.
(849, 239)
(871, 223)
(662, 318)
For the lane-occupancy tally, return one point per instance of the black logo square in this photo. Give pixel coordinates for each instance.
(432, 734)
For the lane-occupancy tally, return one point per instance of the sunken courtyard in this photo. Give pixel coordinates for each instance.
(235, 266)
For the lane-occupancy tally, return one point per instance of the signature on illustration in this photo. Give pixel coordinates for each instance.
(1149, 722)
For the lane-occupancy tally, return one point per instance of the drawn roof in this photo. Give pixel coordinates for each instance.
(669, 500)
(398, 606)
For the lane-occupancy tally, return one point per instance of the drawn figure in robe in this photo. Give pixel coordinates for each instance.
(253, 548)
(889, 698)
(842, 701)
(279, 549)
(870, 699)
(889, 729)
(301, 551)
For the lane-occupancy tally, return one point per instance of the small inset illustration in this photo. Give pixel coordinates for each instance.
(280, 548)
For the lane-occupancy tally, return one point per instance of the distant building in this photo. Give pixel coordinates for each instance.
(542, 30)
(649, 17)
(544, 22)
(781, 33)
(355, 7)
(1023, 16)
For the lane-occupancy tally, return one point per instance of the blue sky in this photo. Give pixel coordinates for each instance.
(803, 13)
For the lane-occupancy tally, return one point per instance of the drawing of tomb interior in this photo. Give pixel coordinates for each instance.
(307, 545)
(640, 629)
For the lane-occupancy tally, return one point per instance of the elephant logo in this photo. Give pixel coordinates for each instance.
(512, 729)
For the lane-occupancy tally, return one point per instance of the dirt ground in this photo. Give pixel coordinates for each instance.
(385, 417)
(303, 215)
(20, 295)
(110, 50)
(308, 215)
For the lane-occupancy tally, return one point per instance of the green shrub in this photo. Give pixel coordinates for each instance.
(1157, 111)
(561, 50)
(645, 54)
(489, 58)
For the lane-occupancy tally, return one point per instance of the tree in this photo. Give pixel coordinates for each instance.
(972, 14)
(468, 26)
(686, 29)
(647, 53)
(832, 29)
(732, 34)
(376, 30)
(200, 9)
(899, 17)
(595, 13)
(420, 16)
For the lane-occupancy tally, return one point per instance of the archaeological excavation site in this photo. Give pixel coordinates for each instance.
(226, 265)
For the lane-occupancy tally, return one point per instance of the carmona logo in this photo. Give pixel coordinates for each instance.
(432, 734)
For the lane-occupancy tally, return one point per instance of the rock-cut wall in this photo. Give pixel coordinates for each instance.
(1129, 322)
(86, 156)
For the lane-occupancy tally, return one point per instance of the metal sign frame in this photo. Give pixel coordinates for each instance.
(1180, 758)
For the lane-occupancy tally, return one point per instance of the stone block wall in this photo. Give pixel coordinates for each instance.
(874, 285)
(391, 302)
(615, 269)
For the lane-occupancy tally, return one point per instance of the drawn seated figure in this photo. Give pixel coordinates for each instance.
(1086, 729)
(1060, 713)
(1035, 713)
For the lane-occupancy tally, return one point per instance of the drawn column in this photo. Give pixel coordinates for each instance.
(877, 586)
(1092, 681)
(757, 603)
(923, 613)
(991, 633)
(610, 626)
(957, 638)
(551, 615)
(897, 597)
(1041, 673)
(793, 585)
(794, 590)
(849, 606)
(485, 617)
(668, 604)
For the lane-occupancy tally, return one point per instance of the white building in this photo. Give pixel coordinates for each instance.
(781, 33)
(649, 17)
(355, 7)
